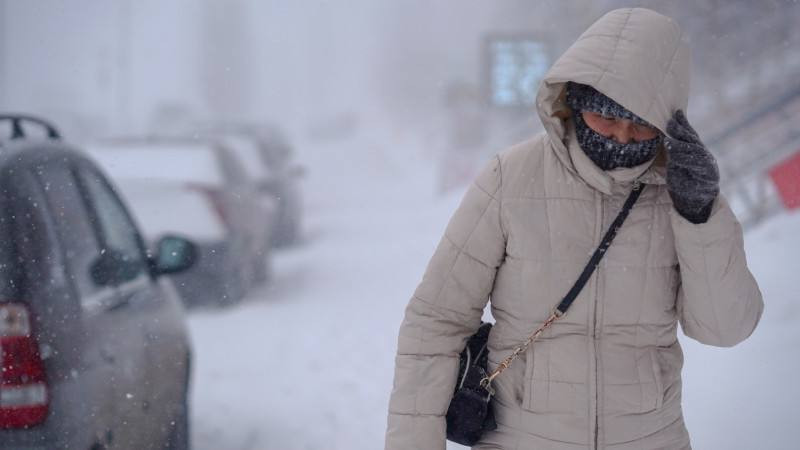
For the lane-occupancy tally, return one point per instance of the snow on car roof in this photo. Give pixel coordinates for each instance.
(187, 162)
(166, 207)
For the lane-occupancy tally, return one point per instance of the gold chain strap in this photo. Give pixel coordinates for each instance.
(486, 382)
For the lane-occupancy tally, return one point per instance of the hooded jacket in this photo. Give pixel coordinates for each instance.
(607, 375)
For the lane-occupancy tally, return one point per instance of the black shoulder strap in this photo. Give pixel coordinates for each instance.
(601, 250)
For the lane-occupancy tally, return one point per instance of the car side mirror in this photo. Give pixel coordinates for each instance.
(174, 254)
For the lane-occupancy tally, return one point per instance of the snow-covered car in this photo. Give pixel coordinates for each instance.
(272, 165)
(195, 188)
(263, 181)
(278, 156)
(95, 352)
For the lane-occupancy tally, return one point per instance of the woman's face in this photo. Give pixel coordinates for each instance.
(621, 130)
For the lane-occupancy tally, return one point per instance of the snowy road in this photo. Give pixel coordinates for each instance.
(306, 363)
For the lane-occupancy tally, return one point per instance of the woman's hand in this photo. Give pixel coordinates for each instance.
(692, 172)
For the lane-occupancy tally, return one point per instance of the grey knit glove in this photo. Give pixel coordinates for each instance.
(692, 173)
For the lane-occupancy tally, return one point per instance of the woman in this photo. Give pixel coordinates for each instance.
(607, 375)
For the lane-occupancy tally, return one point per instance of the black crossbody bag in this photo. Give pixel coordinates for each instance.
(470, 411)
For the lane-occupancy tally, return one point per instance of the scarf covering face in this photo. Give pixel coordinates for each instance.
(605, 152)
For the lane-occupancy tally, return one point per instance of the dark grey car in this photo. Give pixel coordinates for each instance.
(95, 352)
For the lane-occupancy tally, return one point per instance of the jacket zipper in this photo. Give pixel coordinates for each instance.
(594, 339)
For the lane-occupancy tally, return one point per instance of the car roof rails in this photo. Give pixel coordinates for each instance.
(18, 130)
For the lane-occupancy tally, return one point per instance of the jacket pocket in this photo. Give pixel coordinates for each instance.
(527, 379)
(652, 385)
(542, 394)
(639, 392)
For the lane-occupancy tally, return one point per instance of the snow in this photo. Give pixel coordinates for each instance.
(161, 208)
(188, 162)
(307, 362)
(160, 195)
(746, 397)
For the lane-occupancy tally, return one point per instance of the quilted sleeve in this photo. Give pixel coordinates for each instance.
(444, 311)
(718, 301)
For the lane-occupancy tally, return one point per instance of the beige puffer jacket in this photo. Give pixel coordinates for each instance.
(608, 374)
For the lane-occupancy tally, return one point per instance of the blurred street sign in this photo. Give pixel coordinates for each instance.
(514, 65)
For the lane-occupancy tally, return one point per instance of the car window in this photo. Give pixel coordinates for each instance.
(31, 254)
(118, 234)
(73, 224)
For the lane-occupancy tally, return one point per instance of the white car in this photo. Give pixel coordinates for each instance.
(195, 188)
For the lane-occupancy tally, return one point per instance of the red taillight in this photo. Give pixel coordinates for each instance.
(23, 387)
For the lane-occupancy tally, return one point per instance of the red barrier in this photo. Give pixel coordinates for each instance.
(786, 176)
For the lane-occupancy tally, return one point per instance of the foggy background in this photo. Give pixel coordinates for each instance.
(392, 105)
(331, 70)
